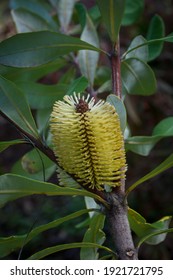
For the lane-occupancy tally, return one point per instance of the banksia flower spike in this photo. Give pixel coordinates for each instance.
(88, 142)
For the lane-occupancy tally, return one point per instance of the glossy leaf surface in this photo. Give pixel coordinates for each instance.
(137, 77)
(151, 233)
(94, 234)
(88, 59)
(11, 188)
(58, 248)
(120, 109)
(112, 12)
(14, 105)
(37, 48)
(156, 30)
(141, 53)
(133, 11)
(5, 144)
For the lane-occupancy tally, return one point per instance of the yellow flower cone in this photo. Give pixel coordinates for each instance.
(88, 142)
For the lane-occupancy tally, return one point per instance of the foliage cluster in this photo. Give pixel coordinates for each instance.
(63, 37)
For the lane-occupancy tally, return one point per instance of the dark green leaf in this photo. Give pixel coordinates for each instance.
(42, 96)
(37, 7)
(141, 53)
(168, 38)
(5, 144)
(94, 234)
(12, 243)
(88, 59)
(31, 74)
(166, 164)
(94, 13)
(48, 251)
(164, 128)
(156, 30)
(137, 77)
(112, 13)
(133, 11)
(34, 165)
(78, 85)
(158, 236)
(152, 234)
(42, 120)
(141, 145)
(81, 11)
(14, 105)
(37, 48)
(15, 186)
(27, 21)
(120, 109)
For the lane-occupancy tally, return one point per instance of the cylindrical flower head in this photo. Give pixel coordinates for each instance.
(88, 142)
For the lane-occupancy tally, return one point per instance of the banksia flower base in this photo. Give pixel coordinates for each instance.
(88, 142)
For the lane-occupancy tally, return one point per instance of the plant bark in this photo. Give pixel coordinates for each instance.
(120, 231)
(117, 215)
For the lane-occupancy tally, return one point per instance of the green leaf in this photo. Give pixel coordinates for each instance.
(141, 53)
(37, 7)
(120, 109)
(133, 11)
(152, 234)
(141, 145)
(78, 85)
(65, 11)
(14, 105)
(5, 144)
(31, 74)
(12, 243)
(42, 119)
(15, 186)
(166, 164)
(37, 48)
(27, 21)
(164, 128)
(94, 234)
(48, 251)
(42, 96)
(168, 38)
(81, 12)
(112, 13)
(34, 165)
(137, 77)
(88, 59)
(156, 31)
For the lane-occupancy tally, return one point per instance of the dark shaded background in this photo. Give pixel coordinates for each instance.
(153, 199)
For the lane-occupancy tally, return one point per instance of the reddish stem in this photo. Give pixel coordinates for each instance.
(116, 70)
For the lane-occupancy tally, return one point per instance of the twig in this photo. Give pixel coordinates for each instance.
(116, 70)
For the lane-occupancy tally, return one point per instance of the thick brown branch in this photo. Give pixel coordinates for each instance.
(119, 228)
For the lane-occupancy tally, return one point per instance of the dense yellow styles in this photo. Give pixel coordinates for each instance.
(88, 142)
